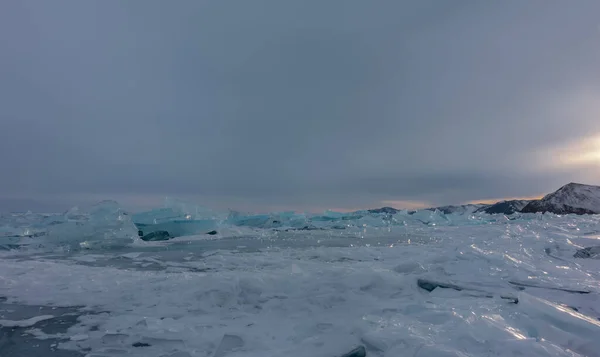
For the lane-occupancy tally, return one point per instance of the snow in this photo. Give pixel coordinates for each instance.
(327, 292)
(577, 195)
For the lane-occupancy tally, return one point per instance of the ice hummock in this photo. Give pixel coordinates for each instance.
(107, 225)
(179, 223)
(177, 210)
(100, 226)
(177, 218)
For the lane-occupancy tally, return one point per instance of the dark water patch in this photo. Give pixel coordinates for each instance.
(17, 341)
(141, 344)
(14, 342)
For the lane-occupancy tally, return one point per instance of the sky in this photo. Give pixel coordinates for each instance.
(306, 105)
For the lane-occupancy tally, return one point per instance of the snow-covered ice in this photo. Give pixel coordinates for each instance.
(279, 292)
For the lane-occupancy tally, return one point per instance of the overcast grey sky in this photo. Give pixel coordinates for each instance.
(296, 104)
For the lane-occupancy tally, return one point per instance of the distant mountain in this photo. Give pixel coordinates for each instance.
(504, 207)
(573, 198)
(460, 209)
(387, 210)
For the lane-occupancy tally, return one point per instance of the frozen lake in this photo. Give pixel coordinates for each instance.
(496, 288)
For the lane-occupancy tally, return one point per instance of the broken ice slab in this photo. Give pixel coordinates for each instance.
(179, 228)
(229, 343)
(257, 221)
(542, 286)
(174, 210)
(359, 351)
(154, 236)
(104, 225)
(562, 325)
(431, 285)
(159, 215)
(271, 220)
(589, 252)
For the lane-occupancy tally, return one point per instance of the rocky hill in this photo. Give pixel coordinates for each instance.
(572, 198)
(504, 207)
(460, 209)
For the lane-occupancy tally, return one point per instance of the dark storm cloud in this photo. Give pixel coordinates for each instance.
(294, 103)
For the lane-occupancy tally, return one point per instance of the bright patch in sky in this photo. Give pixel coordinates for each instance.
(581, 152)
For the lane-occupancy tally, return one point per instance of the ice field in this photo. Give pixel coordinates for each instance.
(286, 284)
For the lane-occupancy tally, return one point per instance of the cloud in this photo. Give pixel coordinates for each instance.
(310, 104)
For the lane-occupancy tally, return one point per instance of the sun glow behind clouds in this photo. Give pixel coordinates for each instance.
(580, 109)
(583, 152)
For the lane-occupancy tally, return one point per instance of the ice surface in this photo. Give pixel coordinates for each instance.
(228, 344)
(277, 290)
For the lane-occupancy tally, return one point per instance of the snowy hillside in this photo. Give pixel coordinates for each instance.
(459, 209)
(504, 207)
(572, 198)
